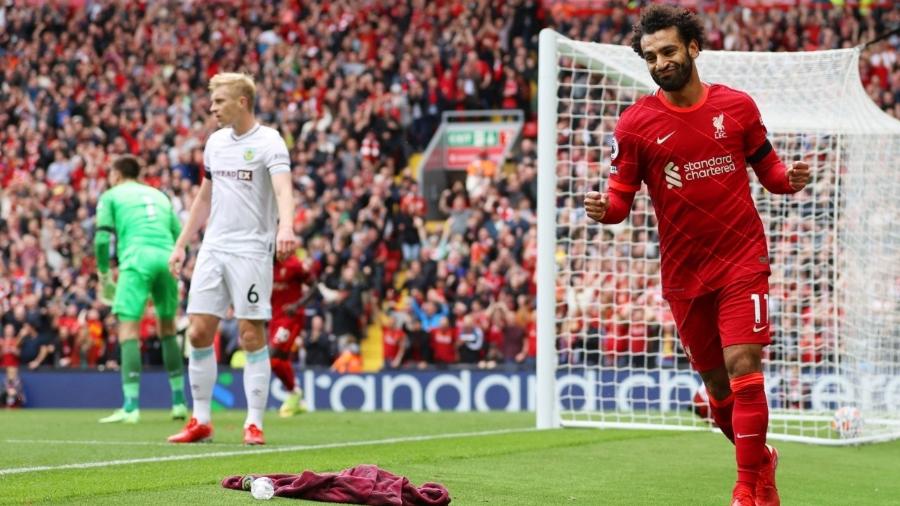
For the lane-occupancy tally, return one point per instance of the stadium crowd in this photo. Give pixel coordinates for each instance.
(355, 91)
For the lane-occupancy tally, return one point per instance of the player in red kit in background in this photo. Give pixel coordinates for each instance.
(690, 143)
(290, 281)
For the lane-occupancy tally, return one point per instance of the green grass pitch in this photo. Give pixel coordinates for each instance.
(66, 457)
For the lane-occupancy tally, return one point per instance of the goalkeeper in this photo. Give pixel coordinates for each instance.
(145, 227)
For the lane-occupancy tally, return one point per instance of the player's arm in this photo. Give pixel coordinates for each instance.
(308, 278)
(761, 155)
(624, 180)
(609, 208)
(105, 229)
(774, 175)
(278, 163)
(198, 215)
(285, 241)
(196, 218)
(102, 238)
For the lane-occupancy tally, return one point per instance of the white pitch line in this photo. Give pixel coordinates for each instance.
(260, 451)
(108, 443)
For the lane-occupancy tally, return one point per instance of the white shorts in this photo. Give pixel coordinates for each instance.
(221, 279)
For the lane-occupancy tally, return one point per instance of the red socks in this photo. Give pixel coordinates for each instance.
(750, 421)
(721, 413)
(284, 372)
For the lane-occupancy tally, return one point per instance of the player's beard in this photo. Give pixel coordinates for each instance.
(678, 78)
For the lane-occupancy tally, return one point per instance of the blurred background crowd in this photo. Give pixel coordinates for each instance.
(356, 88)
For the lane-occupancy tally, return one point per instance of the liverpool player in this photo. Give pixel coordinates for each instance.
(289, 279)
(690, 143)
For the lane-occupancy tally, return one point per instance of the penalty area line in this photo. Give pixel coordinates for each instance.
(259, 451)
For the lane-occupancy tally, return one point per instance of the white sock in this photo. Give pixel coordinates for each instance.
(257, 376)
(202, 372)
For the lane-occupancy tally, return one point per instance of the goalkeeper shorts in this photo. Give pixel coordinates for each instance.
(139, 280)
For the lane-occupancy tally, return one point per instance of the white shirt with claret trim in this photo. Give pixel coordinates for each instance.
(243, 214)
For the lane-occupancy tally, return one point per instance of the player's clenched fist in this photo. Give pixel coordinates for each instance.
(175, 261)
(596, 204)
(798, 175)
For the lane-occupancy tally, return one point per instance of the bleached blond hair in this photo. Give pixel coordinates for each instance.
(240, 85)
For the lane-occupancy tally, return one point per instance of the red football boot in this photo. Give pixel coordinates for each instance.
(193, 432)
(766, 491)
(253, 435)
(742, 496)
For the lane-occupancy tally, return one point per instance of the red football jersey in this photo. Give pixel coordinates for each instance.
(288, 282)
(693, 161)
(443, 343)
(392, 339)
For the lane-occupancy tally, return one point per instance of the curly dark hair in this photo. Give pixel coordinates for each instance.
(658, 17)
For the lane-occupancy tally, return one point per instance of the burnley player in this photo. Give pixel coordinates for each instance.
(690, 143)
(145, 227)
(290, 278)
(247, 195)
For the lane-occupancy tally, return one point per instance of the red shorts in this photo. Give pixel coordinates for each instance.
(734, 314)
(282, 334)
(9, 360)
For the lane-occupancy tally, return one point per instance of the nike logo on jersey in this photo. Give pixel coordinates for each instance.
(742, 436)
(758, 329)
(660, 140)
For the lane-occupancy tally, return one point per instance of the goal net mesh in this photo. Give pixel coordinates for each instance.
(835, 248)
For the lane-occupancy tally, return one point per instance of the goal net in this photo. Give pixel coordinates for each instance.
(609, 354)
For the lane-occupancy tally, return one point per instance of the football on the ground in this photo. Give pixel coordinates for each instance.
(847, 422)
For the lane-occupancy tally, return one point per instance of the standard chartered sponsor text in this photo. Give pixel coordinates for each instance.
(712, 166)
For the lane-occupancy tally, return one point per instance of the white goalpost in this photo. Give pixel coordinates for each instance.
(608, 351)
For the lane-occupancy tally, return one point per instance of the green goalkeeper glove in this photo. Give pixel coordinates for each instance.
(107, 288)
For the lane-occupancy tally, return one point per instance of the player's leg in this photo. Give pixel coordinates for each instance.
(202, 367)
(699, 335)
(282, 334)
(721, 400)
(250, 283)
(744, 327)
(257, 376)
(207, 303)
(173, 361)
(131, 298)
(165, 299)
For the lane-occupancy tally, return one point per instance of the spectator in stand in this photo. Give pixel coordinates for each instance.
(394, 342)
(470, 343)
(419, 353)
(430, 313)
(348, 360)
(319, 345)
(443, 342)
(13, 394)
(9, 347)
